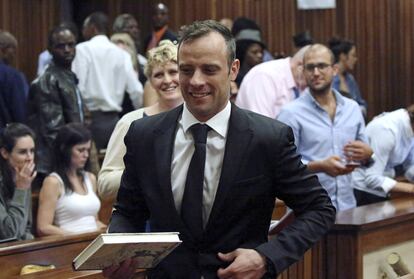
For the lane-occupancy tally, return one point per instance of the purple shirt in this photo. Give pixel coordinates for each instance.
(267, 87)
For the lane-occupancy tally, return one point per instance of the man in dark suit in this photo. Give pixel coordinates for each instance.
(250, 160)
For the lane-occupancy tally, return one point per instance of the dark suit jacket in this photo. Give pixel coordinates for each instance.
(260, 163)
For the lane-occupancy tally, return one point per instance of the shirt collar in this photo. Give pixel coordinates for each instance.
(219, 122)
(100, 37)
(338, 97)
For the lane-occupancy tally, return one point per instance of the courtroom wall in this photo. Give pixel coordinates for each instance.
(382, 29)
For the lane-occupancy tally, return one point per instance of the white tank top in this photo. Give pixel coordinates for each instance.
(74, 212)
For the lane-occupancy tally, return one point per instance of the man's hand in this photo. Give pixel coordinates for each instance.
(358, 150)
(334, 166)
(246, 264)
(124, 271)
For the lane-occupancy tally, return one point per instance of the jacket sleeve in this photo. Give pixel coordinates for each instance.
(46, 104)
(130, 210)
(303, 193)
(112, 167)
(14, 216)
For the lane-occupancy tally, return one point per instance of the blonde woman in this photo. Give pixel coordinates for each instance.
(162, 72)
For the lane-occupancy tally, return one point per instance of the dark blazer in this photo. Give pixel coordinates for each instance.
(260, 163)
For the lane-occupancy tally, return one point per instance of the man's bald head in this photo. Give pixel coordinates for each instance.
(319, 48)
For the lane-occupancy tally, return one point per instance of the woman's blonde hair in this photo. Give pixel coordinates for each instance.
(165, 52)
(126, 40)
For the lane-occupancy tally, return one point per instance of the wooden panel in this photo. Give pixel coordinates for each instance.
(382, 30)
(56, 250)
(365, 229)
(29, 22)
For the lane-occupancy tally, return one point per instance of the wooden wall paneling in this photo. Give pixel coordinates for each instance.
(382, 29)
(29, 22)
(364, 37)
(113, 10)
(321, 23)
(141, 10)
(403, 57)
(279, 26)
(40, 17)
(385, 60)
(318, 260)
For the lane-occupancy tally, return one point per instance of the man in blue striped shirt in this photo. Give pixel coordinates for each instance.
(328, 128)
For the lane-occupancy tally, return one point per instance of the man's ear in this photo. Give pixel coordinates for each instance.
(234, 69)
(4, 153)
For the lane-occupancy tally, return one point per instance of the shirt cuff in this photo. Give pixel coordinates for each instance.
(270, 267)
(388, 184)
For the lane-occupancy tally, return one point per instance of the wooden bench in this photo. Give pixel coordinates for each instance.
(65, 272)
(50, 250)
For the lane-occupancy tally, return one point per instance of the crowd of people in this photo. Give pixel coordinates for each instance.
(199, 136)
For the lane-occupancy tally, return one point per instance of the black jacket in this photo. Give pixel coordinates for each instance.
(54, 100)
(260, 163)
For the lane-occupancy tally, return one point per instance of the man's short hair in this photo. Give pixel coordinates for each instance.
(54, 32)
(121, 22)
(199, 29)
(7, 40)
(99, 20)
(311, 48)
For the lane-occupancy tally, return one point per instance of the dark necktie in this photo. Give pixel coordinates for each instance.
(191, 207)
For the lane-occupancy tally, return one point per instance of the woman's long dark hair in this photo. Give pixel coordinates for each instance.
(8, 139)
(68, 136)
(339, 46)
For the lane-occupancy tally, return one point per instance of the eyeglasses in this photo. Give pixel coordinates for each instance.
(320, 66)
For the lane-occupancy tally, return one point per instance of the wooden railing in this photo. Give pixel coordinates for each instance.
(50, 250)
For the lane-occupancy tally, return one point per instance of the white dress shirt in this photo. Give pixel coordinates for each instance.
(105, 72)
(183, 152)
(391, 138)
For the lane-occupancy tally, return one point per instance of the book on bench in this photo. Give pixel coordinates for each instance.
(112, 248)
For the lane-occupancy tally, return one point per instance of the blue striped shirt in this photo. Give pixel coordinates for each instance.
(318, 137)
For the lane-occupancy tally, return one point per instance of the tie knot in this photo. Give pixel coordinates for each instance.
(199, 132)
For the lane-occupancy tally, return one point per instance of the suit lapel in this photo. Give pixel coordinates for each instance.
(238, 140)
(163, 148)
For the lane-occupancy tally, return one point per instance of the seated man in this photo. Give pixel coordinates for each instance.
(391, 137)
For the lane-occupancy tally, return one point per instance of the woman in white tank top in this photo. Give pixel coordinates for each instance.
(68, 202)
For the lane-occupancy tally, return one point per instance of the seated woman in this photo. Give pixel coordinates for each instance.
(346, 58)
(17, 171)
(162, 73)
(67, 200)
